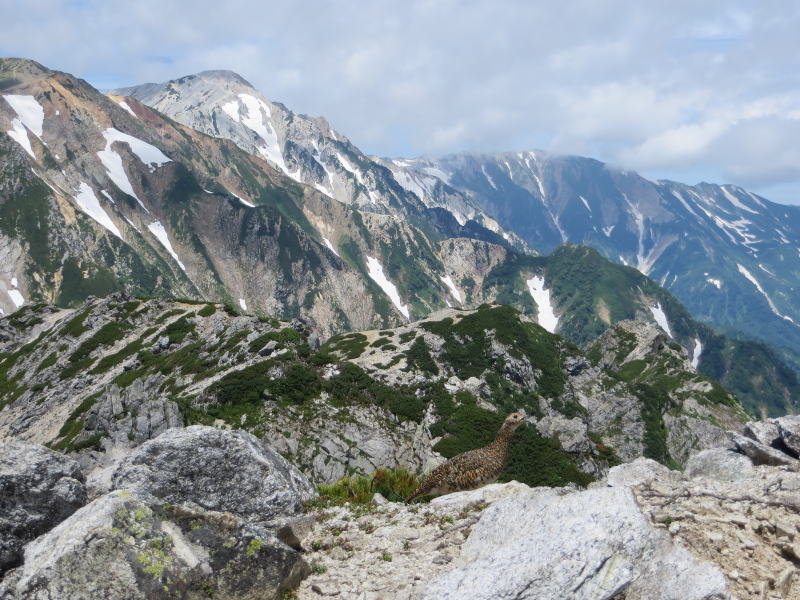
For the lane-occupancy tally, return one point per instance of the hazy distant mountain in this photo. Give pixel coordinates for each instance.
(732, 257)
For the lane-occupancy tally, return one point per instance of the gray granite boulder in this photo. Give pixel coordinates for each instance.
(220, 470)
(546, 544)
(130, 545)
(764, 432)
(39, 488)
(642, 470)
(761, 454)
(789, 430)
(721, 464)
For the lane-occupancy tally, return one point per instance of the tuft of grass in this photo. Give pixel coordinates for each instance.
(394, 485)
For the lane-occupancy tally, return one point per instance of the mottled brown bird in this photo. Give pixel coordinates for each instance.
(472, 469)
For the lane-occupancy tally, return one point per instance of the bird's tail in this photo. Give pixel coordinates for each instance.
(422, 489)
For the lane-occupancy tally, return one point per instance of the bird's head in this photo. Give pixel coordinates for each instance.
(514, 420)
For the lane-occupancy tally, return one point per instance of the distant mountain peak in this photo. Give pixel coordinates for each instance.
(218, 74)
(20, 70)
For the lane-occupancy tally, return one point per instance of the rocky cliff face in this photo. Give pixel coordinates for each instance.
(306, 149)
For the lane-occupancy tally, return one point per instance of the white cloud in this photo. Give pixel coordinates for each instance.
(651, 85)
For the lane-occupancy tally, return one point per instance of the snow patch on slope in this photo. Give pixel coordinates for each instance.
(112, 161)
(258, 118)
(754, 281)
(147, 153)
(661, 318)
(698, 350)
(453, 289)
(350, 168)
(736, 202)
(29, 111)
(546, 316)
(16, 297)
(89, 204)
(127, 108)
(245, 202)
(157, 229)
(19, 134)
(488, 177)
(375, 271)
(330, 246)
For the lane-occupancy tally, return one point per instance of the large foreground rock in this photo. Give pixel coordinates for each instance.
(133, 546)
(547, 544)
(220, 470)
(39, 488)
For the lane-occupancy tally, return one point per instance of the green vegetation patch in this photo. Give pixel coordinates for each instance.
(74, 326)
(467, 347)
(74, 425)
(394, 485)
(178, 330)
(349, 345)
(354, 386)
(207, 310)
(418, 357)
(283, 337)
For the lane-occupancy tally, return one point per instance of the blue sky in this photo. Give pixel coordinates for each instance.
(681, 90)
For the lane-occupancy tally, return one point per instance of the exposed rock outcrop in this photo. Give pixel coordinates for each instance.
(230, 471)
(133, 546)
(39, 488)
(552, 544)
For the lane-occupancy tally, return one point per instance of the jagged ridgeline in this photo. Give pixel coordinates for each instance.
(123, 370)
(101, 194)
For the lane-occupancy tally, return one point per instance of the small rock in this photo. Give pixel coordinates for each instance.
(339, 553)
(642, 470)
(764, 432)
(442, 559)
(784, 582)
(761, 454)
(161, 344)
(720, 464)
(314, 341)
(268, 348)
(784, 528)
